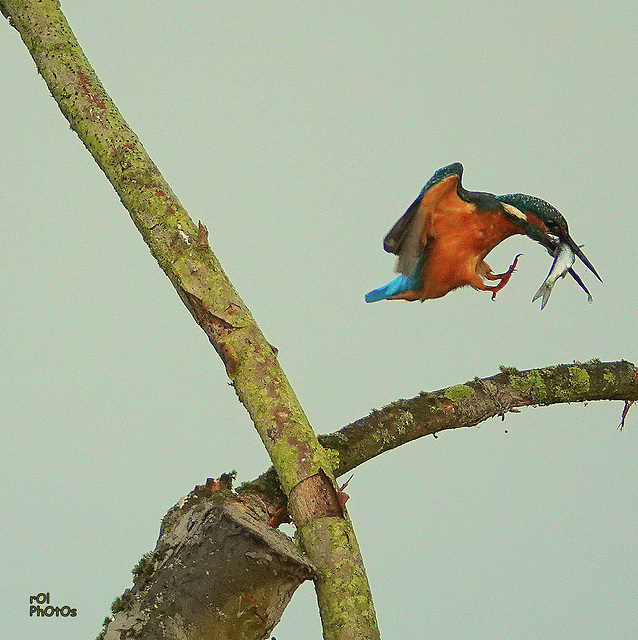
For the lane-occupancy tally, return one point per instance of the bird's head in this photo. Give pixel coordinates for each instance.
(542, 222)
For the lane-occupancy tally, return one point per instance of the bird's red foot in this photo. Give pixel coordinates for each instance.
(503, 277)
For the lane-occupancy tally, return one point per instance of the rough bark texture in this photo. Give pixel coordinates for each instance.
(218, 571)
(174, 596)
(458, 406)
(466, 405)
(181, 249)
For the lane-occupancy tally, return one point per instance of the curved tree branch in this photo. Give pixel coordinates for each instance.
(304, 468)
(466, 405)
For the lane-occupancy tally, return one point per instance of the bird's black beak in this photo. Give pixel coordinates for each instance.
(579, 254)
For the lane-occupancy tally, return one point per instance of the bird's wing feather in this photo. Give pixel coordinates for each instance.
(409, 236)
(404, 239)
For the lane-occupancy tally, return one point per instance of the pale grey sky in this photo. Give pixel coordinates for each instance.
(299, 133)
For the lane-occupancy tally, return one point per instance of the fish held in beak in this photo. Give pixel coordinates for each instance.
(564, 258)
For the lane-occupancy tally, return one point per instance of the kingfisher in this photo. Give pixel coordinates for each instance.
(442, 240)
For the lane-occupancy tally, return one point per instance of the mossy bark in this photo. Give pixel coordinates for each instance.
(305, 469)
(469, 404)
(181, 249)
(356, 443)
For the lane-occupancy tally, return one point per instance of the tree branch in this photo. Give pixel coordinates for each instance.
(466, 405)
(267, 586)
(181, 249)
(305, 469)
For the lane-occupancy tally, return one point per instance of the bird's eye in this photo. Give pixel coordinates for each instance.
(553, 227)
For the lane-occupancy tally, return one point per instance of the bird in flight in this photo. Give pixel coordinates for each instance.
(442, 240)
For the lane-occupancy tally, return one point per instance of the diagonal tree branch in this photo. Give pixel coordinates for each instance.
(181, 249)
(305, 469)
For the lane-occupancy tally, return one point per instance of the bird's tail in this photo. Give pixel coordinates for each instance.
(400, 284)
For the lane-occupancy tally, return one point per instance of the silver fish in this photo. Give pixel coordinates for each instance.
(564, 258)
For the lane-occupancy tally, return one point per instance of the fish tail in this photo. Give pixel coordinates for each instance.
(545, 291)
